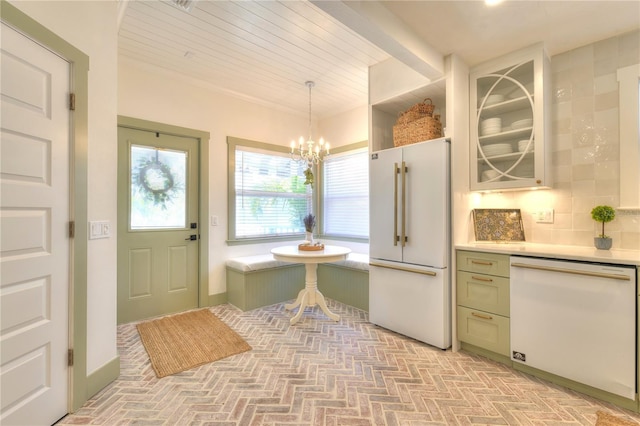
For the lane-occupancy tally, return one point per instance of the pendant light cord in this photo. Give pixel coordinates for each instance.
(309, 84)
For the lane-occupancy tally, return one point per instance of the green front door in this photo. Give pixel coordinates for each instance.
(158, 228)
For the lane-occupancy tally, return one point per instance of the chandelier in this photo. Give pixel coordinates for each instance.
(308, 151)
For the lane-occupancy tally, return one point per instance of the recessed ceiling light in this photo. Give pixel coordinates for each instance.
(492, 2)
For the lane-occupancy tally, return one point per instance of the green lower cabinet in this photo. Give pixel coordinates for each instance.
(484, 330)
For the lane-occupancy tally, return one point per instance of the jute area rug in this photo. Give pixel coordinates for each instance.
(606, 419)
(179, 342)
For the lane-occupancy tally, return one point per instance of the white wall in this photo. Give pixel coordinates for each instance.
(346, 128)
(91, 27)
(148, 93)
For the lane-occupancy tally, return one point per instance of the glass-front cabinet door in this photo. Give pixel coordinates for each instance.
(508, 122)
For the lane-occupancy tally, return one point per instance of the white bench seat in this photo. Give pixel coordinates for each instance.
(255, 263)
(355, 261)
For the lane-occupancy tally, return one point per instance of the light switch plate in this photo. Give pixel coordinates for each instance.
(543, 216)
(99, 229)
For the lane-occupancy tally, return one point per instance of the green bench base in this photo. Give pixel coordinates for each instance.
(248, 290)
(253, 289)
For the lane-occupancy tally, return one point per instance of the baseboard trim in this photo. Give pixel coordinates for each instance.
(104, 375)
(217, 299)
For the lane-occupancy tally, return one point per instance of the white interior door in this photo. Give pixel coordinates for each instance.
(34, 244)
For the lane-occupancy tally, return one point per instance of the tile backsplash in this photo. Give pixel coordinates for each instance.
(585, 150)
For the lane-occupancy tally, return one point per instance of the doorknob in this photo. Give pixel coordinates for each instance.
(191, 238)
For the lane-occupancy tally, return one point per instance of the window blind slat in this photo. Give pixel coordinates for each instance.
(346, 195)
(271, 197)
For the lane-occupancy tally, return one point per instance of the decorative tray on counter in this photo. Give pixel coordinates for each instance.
(310, 247)
(501, 225)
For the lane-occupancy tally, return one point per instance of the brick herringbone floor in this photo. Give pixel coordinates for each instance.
(320, 372)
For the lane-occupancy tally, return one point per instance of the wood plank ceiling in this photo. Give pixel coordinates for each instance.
(264, 50)
(260, 50)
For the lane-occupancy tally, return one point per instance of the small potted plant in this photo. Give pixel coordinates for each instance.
(309, 223)
(603, 214)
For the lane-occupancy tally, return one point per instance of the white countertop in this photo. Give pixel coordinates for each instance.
(590, 254)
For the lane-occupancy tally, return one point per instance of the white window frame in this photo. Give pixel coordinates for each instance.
(232, 144)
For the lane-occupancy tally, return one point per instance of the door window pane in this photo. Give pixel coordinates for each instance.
(158, 188)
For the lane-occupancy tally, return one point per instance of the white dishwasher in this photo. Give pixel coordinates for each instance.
(576, 320)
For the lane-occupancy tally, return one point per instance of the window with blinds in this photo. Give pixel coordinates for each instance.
(270, 196)
(345, 194)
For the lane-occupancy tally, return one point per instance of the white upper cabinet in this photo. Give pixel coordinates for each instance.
(509, 125)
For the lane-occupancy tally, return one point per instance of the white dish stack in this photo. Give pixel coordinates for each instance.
(522, 124)
(489, 174)
(523, 144)
(497, 149)
(491, 126)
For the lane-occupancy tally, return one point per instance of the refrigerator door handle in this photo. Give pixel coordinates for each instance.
(403, 237)
(396, 170)
(403, 268)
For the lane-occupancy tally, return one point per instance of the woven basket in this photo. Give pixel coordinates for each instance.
(417, 111)
(419, 130)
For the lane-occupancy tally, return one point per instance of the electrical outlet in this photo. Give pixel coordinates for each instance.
(543, 216)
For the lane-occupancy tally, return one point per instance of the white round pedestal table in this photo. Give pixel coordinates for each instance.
(310, 295)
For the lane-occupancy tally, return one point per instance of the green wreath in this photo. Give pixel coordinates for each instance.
(155, 181)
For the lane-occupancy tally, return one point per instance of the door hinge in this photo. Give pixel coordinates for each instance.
(72, 101)
(72, 229)
(70, 358)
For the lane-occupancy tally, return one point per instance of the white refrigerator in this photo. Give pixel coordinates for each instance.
(409, 274)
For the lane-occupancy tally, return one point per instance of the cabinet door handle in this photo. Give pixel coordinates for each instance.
(489, 280)
(487, 317)
(477, 262)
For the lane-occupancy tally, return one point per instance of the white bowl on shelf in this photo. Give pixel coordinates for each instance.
(491, 122)
(522, 124)
(493, 99)
(497, 149)
(522, 145)
(490, 131)
(489, 174)
(491, 126)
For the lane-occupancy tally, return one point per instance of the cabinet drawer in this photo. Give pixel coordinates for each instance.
(484, 263)
(484, 292)
(488, 331)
